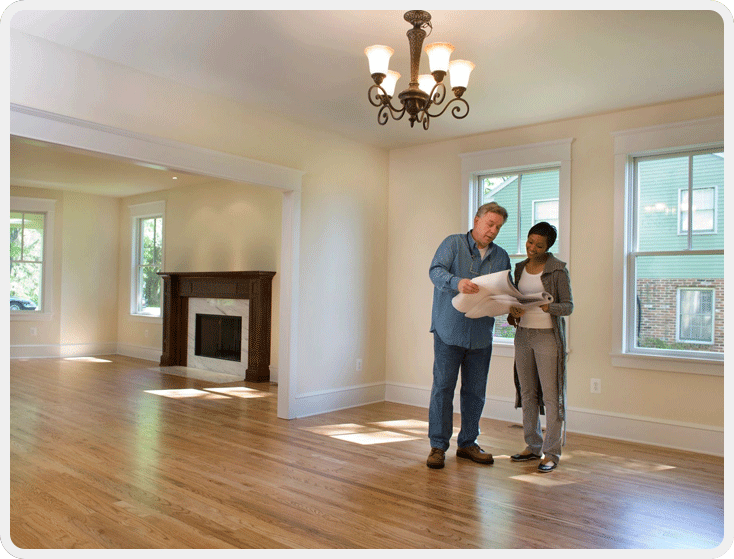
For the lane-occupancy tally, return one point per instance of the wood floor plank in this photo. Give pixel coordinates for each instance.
(111, 453)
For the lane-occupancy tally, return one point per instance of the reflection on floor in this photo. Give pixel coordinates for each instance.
(198, 374)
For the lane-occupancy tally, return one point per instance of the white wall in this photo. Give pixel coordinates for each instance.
(676, 409)
(84, 307)
(343, 238)
(218, 226)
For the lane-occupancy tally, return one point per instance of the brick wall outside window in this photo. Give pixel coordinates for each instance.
(656, 324)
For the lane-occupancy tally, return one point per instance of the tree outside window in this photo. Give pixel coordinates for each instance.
(149, 259)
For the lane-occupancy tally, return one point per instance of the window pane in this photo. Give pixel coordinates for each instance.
(708, 201)
(503, 190)
(150, 291)
(16, 236)
(660, 183)
(502, 328)
(546, 210)
(538, 191)
(25, 286)
(33, 237)
(661, 318)
(150, 241)
(696, 314)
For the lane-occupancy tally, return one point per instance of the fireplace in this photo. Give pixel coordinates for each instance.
(227, 295)
(218, 337)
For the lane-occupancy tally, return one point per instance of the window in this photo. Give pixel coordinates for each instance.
(696, 316)
(546, 210)
(533, 183)
(667, 270)
(31, 227)
(670, 259)
(703, 218)
(525, 196)
(147, 261)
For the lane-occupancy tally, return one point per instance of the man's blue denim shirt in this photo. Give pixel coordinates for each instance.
(457, 258)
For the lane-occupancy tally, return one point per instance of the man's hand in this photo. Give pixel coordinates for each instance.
(468, 287)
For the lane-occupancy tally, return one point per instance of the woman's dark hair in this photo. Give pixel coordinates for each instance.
(544, 229)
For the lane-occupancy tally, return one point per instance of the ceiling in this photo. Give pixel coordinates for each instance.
(309, 66)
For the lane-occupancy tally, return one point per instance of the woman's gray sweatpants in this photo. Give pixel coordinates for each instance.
(536, 349)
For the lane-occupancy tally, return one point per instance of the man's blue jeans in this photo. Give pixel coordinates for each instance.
(474, 365)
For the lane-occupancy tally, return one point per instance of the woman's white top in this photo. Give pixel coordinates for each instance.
(534, 317)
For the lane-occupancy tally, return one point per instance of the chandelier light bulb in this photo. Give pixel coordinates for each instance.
(459, 71)
(438, 56)
(379, 58)
(388, 84)
(426, 82)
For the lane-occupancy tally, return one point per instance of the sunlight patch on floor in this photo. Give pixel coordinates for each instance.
(372, 433)
(376, 437)
(544, 480)
(179, 393)
(87, 359)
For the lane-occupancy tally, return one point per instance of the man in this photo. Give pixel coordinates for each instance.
(460, 342)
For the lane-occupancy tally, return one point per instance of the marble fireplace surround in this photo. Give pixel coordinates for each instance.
(221, 307)
(181, 287)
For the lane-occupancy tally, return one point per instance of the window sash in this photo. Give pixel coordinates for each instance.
(698, 319)
(633, 254)
(146, 263)
(31, 255)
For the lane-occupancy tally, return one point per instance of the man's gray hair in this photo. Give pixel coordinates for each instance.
(493, 207)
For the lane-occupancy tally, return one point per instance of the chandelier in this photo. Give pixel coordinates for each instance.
(424, 91)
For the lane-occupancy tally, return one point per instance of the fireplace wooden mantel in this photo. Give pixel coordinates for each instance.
(178, 287)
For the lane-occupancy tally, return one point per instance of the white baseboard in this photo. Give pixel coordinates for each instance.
(324, 401)
(705, 439)
(32, 351)
(139, 352)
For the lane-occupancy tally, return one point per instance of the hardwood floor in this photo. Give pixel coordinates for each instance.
(107, 453)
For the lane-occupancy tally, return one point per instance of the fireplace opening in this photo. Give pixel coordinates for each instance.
(218, 336)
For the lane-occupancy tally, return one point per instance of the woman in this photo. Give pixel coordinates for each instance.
(540, 348)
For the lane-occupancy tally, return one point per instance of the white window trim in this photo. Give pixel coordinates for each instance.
(678, 337)
(628, 144)
(137, 212)
(48, 207)
(713, 231)
(512, 160)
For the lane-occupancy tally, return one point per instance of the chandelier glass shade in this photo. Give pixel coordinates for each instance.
(424, 91)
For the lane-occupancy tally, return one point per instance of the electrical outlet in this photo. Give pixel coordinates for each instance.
(596, 386)
(359, 364)
(34, 331)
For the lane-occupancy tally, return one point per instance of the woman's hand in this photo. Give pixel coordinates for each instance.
(517, 312)
(544, 308)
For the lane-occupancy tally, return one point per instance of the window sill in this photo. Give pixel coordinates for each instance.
(30, 316)
(147, 318)
(503, 348)
(671, 364)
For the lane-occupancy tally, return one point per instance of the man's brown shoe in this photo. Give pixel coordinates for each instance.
(475, 453)
(436, 458)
